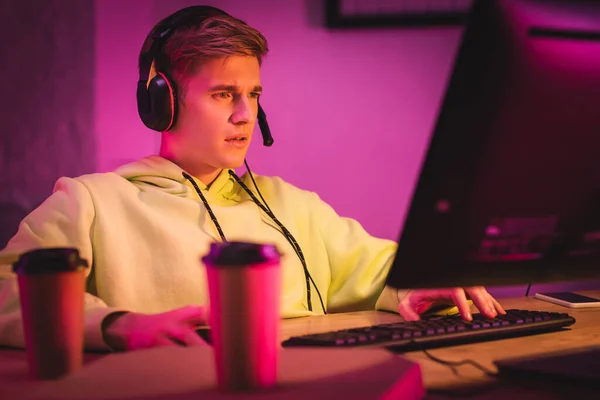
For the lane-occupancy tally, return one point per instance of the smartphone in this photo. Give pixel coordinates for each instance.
(568, 299)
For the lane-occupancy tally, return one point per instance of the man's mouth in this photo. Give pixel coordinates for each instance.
(237, 142)
(238, 138)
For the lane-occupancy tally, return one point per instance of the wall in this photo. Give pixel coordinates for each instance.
(47, 101)
(121, 29)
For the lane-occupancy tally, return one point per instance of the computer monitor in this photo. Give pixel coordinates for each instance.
(509, 189)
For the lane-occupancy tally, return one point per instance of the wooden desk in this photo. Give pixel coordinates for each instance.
(439, 379)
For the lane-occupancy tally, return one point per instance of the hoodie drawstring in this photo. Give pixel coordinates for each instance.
(267, 210)
(210, 212)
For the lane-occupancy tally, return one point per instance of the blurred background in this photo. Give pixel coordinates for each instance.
(351, 110)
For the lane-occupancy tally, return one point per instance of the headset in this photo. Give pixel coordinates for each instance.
(157, 99)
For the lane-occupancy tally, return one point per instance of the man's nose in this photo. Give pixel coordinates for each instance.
(243, 112)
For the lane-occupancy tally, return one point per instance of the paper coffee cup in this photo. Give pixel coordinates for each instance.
(51, 290)
(244, 287)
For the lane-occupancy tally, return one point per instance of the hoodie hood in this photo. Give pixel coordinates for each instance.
(155, 172)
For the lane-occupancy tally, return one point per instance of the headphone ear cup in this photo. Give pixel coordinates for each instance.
(159, 110)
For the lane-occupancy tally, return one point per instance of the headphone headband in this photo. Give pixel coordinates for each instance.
(163, 31)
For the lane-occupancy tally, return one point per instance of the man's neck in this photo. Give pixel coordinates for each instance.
(203, 173)
(205, 177)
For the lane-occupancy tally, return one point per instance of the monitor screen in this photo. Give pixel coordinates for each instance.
(509, 190)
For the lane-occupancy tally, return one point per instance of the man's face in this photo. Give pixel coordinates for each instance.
(218, 113)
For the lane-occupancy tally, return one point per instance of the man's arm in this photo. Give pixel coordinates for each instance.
(359, 266)
(65, 219)
(359, 263)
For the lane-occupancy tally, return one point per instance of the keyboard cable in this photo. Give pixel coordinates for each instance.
(452, 365)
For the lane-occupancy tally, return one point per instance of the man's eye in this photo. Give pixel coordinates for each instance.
(222, 95)
(255, 95)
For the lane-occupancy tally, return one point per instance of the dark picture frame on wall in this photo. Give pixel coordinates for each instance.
(395, 13)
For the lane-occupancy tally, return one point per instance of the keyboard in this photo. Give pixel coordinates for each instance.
(439, 331)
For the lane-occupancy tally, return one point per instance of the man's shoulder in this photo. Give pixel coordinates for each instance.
(93, 182)
(100, 179)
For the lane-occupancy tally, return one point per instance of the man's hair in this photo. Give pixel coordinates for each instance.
(199, 40)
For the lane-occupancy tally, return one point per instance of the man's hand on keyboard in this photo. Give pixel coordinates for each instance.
(418, 301)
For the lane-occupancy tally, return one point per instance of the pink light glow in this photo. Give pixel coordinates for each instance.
(559, 54)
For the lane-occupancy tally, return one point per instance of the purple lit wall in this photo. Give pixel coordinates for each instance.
(121, 27)
(47, 101)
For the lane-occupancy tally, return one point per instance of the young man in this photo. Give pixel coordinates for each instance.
(144, 227)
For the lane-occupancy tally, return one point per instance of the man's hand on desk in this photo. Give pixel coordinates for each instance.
(134, 331)
(418, 301)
